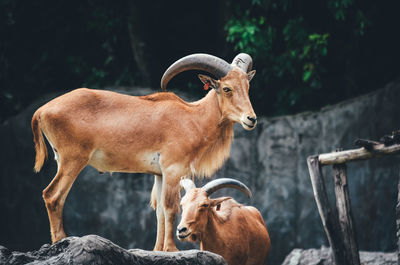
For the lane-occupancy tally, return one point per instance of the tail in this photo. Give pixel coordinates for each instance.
(40, 146)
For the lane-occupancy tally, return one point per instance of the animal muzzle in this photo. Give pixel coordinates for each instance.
(182, 233)
(249, 122)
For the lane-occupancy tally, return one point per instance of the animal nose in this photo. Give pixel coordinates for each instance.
(252, 119)
(182, 230)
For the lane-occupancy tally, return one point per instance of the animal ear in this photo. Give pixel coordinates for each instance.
(209, 82)
(250, 75)
(215, 202)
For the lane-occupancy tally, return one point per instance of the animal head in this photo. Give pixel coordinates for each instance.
(197, 206)
(232, 85)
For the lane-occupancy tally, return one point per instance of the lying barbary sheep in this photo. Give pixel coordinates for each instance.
(223, 226)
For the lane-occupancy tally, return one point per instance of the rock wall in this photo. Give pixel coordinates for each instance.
(271, 159)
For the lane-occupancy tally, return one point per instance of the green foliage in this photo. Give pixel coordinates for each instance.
(54, 45)
(298, 46)
(339, 8)
(292, 51)
(245, 34)
(307, 53)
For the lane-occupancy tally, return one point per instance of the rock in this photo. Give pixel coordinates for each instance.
(94, 249)
(271, 160)
(322, 256)
(398, 221)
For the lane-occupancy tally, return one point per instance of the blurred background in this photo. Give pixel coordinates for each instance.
(308, 55)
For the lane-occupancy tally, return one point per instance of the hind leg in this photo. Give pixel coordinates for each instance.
(56, 192)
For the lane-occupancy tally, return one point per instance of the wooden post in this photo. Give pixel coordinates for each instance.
(328, 216)
(345, 216)
(358, 154)
(341, 236)
(398, 222)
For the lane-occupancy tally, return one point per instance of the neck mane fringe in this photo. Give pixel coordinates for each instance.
(214, 156)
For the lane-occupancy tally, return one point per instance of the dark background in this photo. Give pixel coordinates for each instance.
(307, 53)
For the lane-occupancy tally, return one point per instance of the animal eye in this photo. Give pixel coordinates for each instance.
(204, 205)
(227, 89)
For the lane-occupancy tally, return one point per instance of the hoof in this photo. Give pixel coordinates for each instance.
(58, 237)
(158, 248)
(171, 249)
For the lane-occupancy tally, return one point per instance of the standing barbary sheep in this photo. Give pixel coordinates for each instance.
(158, 134)
(223, 226)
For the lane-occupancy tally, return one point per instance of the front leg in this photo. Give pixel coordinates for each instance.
(158, 207)
(171, 198)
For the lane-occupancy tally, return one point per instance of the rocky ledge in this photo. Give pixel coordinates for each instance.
(322, 256)
(94, 249)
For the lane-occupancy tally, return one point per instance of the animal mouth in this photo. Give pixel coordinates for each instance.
(184, 236)
(248, 126)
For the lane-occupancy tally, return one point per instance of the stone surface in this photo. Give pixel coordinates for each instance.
(271, 160)
(322, 256)
(93, 249)
(398, 221)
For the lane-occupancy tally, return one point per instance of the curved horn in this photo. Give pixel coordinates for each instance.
(198, 61)
(187, 184)
(217, 184)
(243, 61)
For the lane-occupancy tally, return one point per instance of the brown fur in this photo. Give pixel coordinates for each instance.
(163, 96)
(153, 199)
(40, 146)
(215, 155)
(236, 232)
(158, 134)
